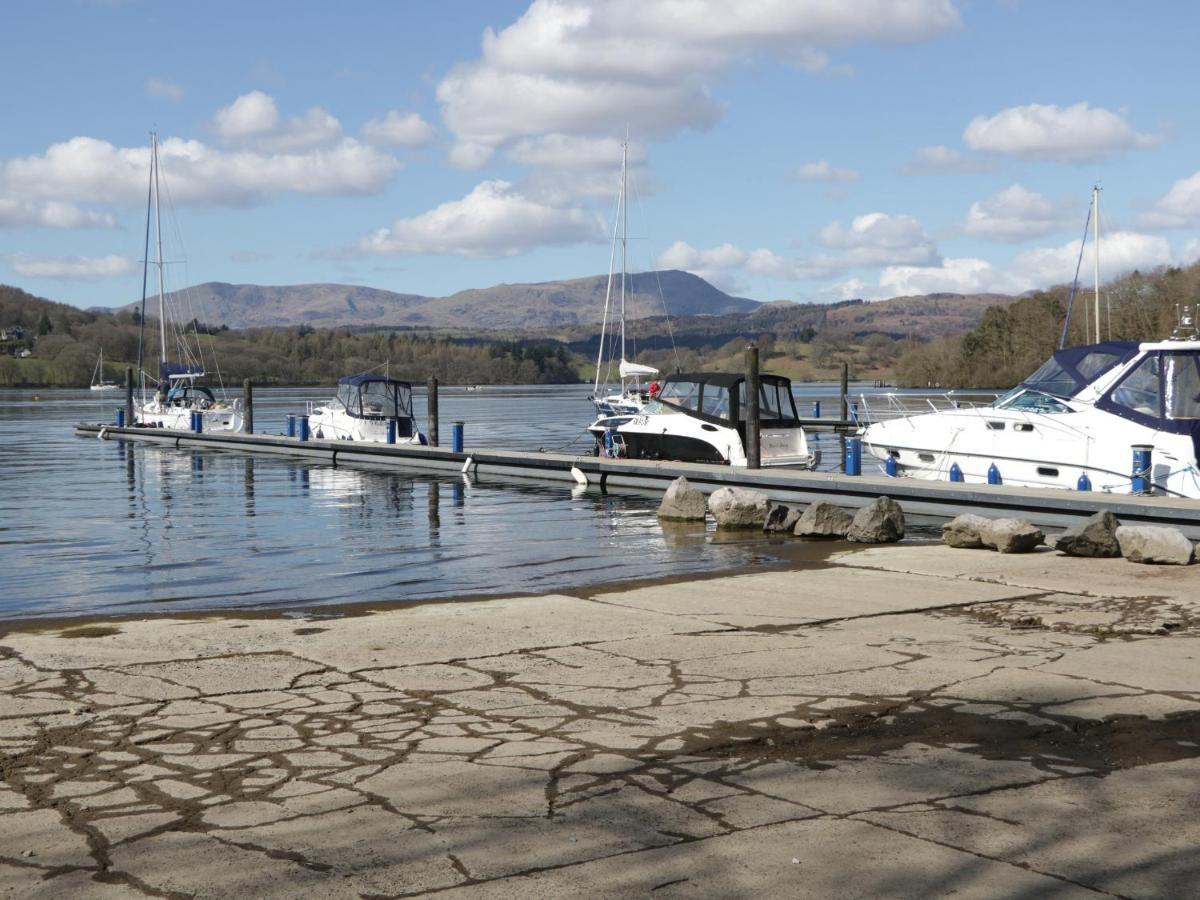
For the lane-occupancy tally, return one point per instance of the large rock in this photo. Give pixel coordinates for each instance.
(1096, 536)
(781, 518)
(823, 520)
(738, 508)
(880, 523)
(1011, 535)
(1155, 544)
(964, 531)
(681, 502)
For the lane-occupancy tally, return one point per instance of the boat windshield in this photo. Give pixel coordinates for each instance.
(1030, 401)
(376, 399)
(1068, 372)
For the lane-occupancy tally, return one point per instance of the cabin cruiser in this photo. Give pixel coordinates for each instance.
(1074, 423)
(701, 417)
(367, 408)
(179, 396)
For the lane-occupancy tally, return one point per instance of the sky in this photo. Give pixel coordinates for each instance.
(804, 150)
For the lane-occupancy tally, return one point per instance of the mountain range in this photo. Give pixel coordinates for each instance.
(541, 306)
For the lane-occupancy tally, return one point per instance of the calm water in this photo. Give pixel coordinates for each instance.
(94, 527)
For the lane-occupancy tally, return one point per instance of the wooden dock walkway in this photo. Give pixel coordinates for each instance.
(1043, 506)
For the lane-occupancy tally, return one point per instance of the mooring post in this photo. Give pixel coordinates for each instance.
(753, 447)
(129, 396)
(845, 391)
(432, 410)
(248, 403)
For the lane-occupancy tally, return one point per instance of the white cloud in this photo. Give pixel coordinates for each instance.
(23, 212)
(1177, 208)
(253, 119)
(168, 90)
(1072, 134)
(398, 129)
(1120, 252)
(74, 268)
(586, 67)
(85, 169)
(940, 160)
(821, 170)
(1014, 214)
(493, 220)
(877, 239)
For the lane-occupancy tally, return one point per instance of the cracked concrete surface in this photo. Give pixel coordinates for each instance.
(902, 722)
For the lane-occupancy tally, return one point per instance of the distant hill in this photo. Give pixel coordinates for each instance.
(546, 305)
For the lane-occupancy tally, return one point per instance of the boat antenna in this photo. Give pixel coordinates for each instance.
(145, 274)
(1096, 245)
(1062, 340)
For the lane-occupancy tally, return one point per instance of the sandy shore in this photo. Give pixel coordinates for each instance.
(909, 721)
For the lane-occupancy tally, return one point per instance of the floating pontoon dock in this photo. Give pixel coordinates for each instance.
(1043, 506)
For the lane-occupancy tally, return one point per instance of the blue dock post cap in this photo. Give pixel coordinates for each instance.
(816, 409)
(456, 437)
(302, 427)
(956, 472)
(120, 418)
(854, 456)
(391, 431)
(291, 426)
(197, 421)
(1142, 469)
(1084, 483)
(994, 475)
(890, 466)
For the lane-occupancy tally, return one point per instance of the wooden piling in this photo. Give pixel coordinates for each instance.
(753, 444)
(248, 404)
(431, 406)
(845, 391)
(129, 396)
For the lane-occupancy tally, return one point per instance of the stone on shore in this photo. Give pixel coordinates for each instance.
(880, 523)
(738, 508)
(681, 502)
(1156, 544)
(823, 520)
(781, 518)
(964, 531)
(1012, 536)
(1095, 536)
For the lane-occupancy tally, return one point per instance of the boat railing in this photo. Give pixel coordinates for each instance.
(883, 407)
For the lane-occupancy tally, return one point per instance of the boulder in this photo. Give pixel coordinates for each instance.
(1011, 535)
(738, 508)
(880, 523)
(1155, 544)
(781, 518)
(681, 502)
(1096, 536)
(823, 520)
(963, 531)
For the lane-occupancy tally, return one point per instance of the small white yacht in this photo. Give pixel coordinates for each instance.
(98, 381)
(1073, 423)
(178, 396)
(367, 407)
(701, 417)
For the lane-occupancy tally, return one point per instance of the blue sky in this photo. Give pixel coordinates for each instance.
(810, 151)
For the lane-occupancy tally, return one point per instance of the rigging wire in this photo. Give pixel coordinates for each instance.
(1062, 340)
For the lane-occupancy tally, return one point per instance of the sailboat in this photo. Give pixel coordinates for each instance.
(178, 394)
(98, 382)
(631, 395)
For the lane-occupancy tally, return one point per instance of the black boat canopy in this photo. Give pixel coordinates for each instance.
(375, 397)
(720, 397)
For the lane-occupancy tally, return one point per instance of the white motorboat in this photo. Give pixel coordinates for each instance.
(701, 417)
(178, 395)
(633, 388)
(367, 408)
(98, 382)
(1074, 423)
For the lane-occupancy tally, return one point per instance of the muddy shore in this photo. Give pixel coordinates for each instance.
(908, 721)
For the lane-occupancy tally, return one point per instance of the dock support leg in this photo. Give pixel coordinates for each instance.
(753, 445)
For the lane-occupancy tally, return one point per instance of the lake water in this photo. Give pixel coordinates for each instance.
(97, 527)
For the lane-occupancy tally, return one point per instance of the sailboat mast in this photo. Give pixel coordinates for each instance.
(162, 303)
(624, 235)
(1096, 246)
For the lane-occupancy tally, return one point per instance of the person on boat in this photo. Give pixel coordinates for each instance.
(653, 390)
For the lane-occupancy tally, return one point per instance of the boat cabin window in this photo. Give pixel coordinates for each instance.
(348, 396)
(1181, 380)
(684, 394)
(774, 401)
(1140, 389)
(1031, 401)
(715, 401)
